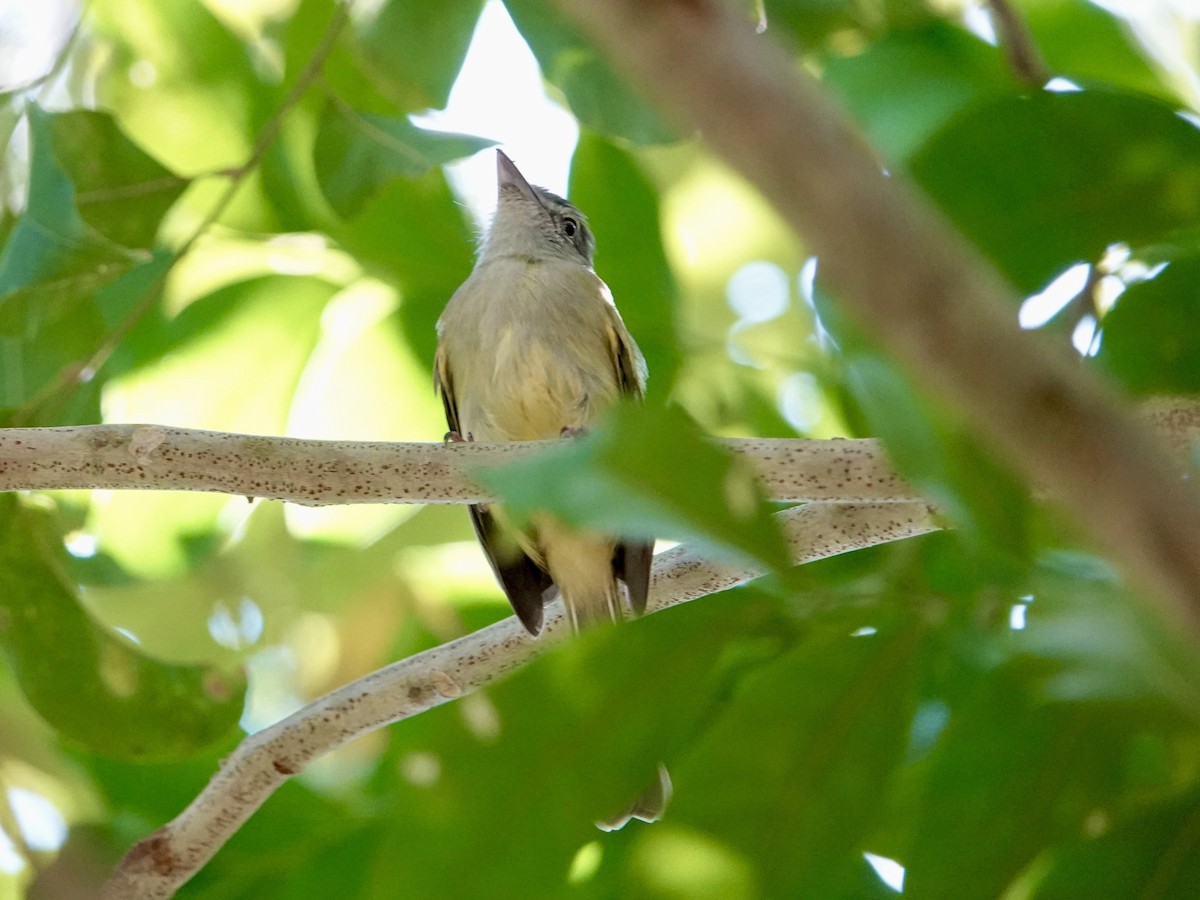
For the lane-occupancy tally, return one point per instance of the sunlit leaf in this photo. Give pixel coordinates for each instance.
(51, 255)
(357, 153)
(1045, 181)
(648, 473)
(1083, 41)
(121, 191)
(416, 235)
(415, 48)
(598, 97)
(576, 735)
(907, 84)
(93, 686)
(1149, 339)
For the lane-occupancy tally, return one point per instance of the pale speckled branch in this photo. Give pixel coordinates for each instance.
(158, 864)
(155, 457)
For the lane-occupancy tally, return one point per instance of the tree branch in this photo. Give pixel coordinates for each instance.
(153, 457)
(924, 293)
(1024, 56)
(157, 865)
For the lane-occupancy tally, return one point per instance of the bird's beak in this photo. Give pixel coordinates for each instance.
(508, 175)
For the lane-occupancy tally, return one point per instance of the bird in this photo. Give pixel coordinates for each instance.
(532, 347)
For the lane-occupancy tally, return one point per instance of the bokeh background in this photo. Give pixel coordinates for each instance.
(984, 712)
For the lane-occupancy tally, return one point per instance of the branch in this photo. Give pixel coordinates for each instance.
(1024, 56)
(158, 864)
(924, 293)
(153, 457)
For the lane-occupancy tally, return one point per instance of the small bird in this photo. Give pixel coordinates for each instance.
(531, 347)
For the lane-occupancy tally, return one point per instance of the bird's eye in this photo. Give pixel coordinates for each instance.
(570, 226)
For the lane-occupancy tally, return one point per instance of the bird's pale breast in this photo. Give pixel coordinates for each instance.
(527, 349)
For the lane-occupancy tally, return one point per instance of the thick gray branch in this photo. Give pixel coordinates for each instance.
(926, 295)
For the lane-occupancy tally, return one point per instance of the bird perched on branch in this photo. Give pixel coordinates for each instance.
(531, 347)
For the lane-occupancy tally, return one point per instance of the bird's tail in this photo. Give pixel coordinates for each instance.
(595, 606)
(581, 565)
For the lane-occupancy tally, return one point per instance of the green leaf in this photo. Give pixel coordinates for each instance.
(792, 774)
(1089, 44)
(1045, 181)
(121, 191)
(595, 94)
(648, 473)
(415, 49)
(1155, 853)
(576, 735)
(93, 686)
(622, 207)
(808, 23)
(1089, 641)
(356, 154)
(51, 254)
(415, 234)
(1149, 339)
(192, 92)
(909, 83)
(1007, 777)
(987, 505)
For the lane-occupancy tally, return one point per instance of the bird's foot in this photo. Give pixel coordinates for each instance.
(454, 437)
(572, 431)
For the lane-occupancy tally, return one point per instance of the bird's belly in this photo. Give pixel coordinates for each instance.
(534, 388)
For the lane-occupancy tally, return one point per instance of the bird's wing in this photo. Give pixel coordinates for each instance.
(524, 582)
(444, 385)
(627, 360)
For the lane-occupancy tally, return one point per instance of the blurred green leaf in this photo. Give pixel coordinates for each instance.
(808, 23)
(415, 234)
(415, 49)
(51, 255)
(647, 473)
(622, 207)
(987, 505)
(121, 191)
(598, 97)
(1090, 642)
(1155, 853)
(1004, 780)
(357, 153)
(801, 769)
(1045, 181)
(1087, 43)
(575, 736)
(93, 686)
(907, 84)
(1149, 340)
(191, 92)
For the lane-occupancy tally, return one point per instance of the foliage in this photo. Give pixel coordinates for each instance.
(989, 706)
